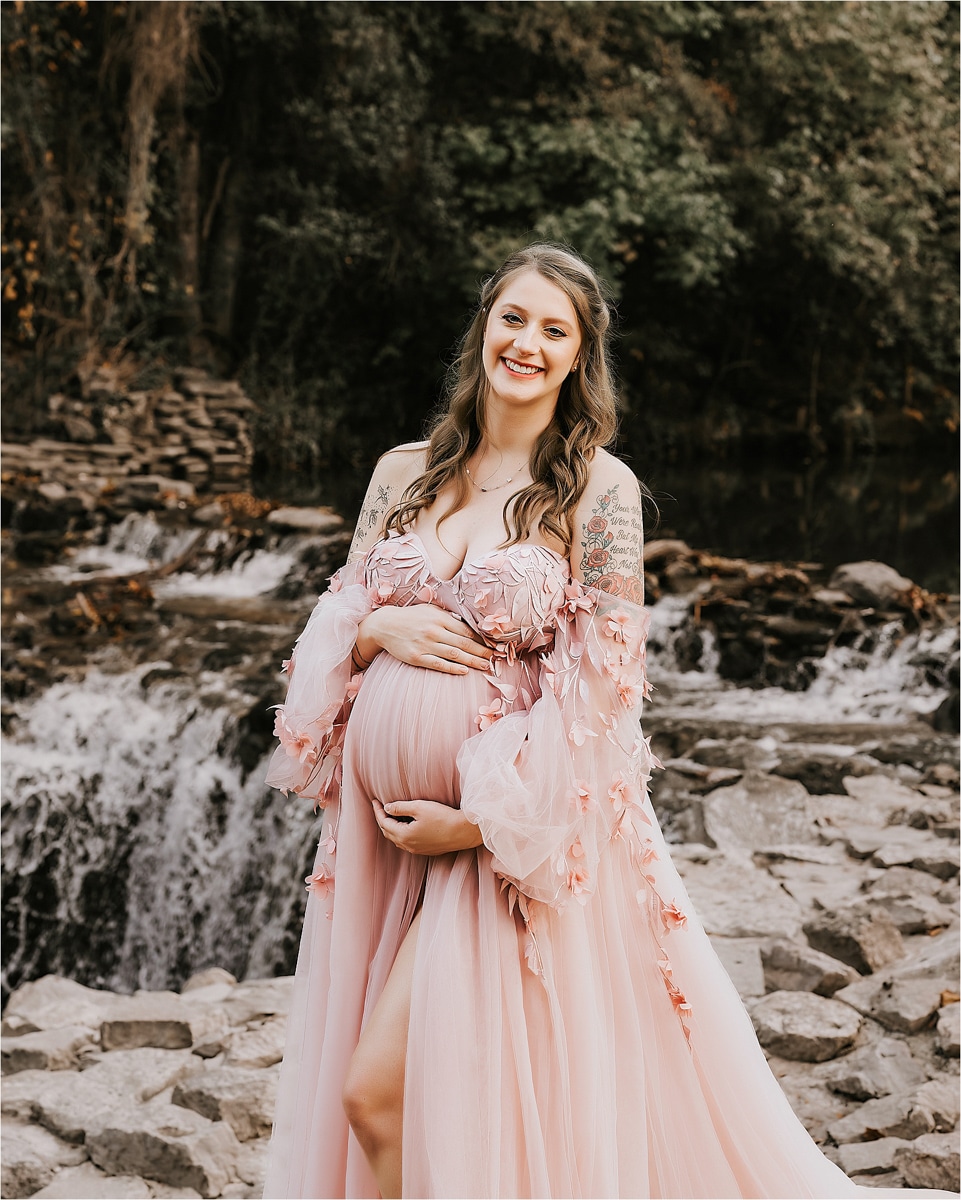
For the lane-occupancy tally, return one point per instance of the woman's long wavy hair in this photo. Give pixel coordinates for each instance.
(584, 419)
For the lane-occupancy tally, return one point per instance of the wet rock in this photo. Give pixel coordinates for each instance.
(45, 1050)
(949, 1030)
(822, 771)
(891, 1116)
(31, 1157)
(171, 1144)
(795, 967)
(306, 520)
(863, 937)
(883, 1069)
(930, 1161)
(245, 1099)
(868, 1158)
(873, 584)
(759, 811)
(798, 1025)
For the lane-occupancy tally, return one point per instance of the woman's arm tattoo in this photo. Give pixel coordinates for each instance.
(611, 544)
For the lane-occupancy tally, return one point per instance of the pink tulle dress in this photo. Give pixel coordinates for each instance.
(572, 1032)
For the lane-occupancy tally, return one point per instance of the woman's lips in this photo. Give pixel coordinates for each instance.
(523, 369)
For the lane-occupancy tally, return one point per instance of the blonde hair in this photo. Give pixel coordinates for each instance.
(584, 419)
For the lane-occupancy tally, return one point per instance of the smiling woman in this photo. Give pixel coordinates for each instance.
(503, 990)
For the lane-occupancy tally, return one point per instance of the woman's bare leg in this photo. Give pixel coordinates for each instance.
(374, 1091)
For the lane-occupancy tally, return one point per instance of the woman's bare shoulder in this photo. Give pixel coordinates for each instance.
(396, 470)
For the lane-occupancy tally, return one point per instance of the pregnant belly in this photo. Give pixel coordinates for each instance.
(407, 726)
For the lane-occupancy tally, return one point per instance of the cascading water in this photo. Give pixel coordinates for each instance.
(140, 843)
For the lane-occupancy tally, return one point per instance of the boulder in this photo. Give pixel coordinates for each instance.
(940, 1098)
(803, 1027)
(909, 897)
(305, 520)
(795, 967)
(948, 1034)
(891, 1116)
(872, 584)
(245, 1099)
(862, 936)
(45, 1050)
(259, 999)
(758, 812)
(903, 1005)
(31, 1157)
(868, 1158)
(168, 1143)
(160, 1019)
(735, 899)
(930, 1161)
(879, 1070)
(261, 1046)
(54, 1003)
(208, 977)
(74, 1104)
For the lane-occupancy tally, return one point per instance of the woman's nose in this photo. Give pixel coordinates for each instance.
(526, 341)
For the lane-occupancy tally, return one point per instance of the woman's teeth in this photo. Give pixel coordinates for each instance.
(518, 369)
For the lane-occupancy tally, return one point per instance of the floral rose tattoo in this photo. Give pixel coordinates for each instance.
(612, 529)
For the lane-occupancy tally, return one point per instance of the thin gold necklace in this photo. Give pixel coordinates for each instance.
(480, 486)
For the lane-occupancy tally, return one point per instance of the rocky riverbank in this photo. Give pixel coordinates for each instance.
(836, 916)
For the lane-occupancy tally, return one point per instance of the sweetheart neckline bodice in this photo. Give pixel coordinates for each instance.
(472, 560)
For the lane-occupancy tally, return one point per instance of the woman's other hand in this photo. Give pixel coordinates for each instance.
(426, 827)
(423, 635)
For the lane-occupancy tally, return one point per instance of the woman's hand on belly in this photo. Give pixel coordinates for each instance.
(428, 827)
(423, 635)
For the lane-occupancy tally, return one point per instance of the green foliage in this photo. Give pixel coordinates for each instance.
(770, 187)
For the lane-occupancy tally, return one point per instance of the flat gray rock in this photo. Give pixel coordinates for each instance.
(862, 936)
(734, 899)
(873, 584)
(244, 1098)
(930, 1161)
(46, 1049)
(795, 967)
(891, 1116)
(800, 1026)
(869, 1158)
(31, 1157)
(882, 1069)
(173, 1145)
(758, 812)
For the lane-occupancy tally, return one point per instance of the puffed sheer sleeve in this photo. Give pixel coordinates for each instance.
(322, 686)
(550, 787)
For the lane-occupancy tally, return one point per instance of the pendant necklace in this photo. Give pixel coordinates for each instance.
(480, 486)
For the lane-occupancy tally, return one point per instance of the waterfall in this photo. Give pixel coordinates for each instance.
(139, 841)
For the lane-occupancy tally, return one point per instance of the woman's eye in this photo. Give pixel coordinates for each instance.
(555, 332)
(512, 318)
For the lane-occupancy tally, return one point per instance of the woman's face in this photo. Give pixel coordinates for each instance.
(531, 341)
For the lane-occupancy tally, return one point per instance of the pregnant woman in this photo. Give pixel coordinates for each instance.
(502, 988)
